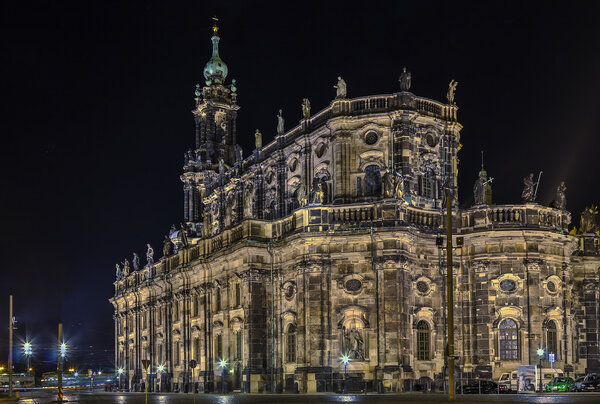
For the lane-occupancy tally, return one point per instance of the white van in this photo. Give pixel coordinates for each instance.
(510, 380)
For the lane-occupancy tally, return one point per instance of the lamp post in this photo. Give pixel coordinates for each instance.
(159, 370)
(27, 350)
(223, 366)
(540, 353)
(345, 360)
(120, 373)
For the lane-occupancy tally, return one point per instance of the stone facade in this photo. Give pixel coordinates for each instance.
(322, 243)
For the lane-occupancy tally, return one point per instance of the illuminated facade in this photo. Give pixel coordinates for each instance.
(322, 243)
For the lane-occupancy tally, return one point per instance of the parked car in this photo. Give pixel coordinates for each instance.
(480, 386)
(591, 383)
(561, 384)
(578, 382)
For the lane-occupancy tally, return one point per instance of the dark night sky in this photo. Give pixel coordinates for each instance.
(96, 101)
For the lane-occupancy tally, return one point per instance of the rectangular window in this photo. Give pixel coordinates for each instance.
(218, 300)
(238, 345)
(197, 349)
(176, 311)
(158, 316)
(219, 347)
(238, 295)
(159, 358)
(196, 306)
(144, 317)
(177, 352)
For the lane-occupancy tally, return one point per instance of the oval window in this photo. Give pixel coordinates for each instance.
(422, 287)
(289, 291)
(353, 285)
(293, 165)
(508, 285)
(371, 138)
(551, 286)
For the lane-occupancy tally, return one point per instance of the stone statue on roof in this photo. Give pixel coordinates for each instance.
(528, 193)
(118, 274)
(257, 139)
(405, 80)
(136, 262)
(126, 267)
(306, 108)
(280, 123)
(301, 194)
(560, 201)
(149, 255)
(451, 91)
(340, 88)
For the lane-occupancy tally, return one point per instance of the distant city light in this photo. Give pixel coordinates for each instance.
(63, 349)
(120, 370)
(223, 363)
(540, 352)
(161, 368)
(76, 374)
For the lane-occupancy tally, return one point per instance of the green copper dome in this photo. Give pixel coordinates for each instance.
(215, 70)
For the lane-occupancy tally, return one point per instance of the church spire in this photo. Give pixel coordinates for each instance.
(215, 70)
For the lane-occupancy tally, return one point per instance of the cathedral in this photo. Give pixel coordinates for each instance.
(328, 243)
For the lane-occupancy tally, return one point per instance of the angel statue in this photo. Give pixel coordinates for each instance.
(118, 274)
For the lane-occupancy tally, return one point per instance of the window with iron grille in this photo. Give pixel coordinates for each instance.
(552, 339)
(423, 341)
(291, 344)
(508, 338)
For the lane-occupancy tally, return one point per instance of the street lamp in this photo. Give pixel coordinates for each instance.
(160, 369)
(120, 373)
(223, 366)
(345, 360)
(28, 350)
(63, 350)
(540, 353)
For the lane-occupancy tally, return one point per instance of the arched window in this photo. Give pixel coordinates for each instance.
(372, 181)
(291, 344)
(423, 341)
(551, 338)
(508, 337)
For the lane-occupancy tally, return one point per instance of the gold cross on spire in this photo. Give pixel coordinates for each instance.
(215, 27)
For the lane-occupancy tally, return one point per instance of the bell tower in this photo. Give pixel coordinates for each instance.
(215, 115)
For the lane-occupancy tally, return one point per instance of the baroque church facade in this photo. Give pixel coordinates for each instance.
(325, 242)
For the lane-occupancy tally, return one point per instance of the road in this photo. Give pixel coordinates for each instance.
(45, 397)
